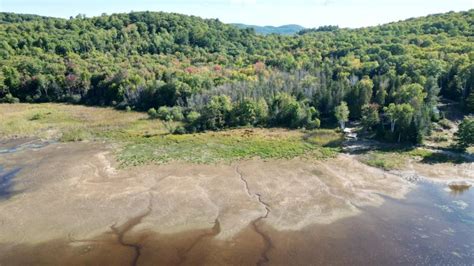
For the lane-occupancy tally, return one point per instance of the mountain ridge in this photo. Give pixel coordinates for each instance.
(287, 29)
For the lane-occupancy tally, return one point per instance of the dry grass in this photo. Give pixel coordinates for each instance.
(144, 141)
(55, 121)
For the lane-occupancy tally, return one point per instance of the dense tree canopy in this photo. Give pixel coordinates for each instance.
(221, 76)
(465, 133)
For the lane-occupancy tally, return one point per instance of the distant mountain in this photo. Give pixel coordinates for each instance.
(265, 30)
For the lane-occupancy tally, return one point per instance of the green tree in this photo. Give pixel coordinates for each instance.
(470, 103)
(245, 113)
(381, 94)
(217, 113)
(432, 89)
(341, 113)
(465, 134)
(412, 94)
(286, 111)
(399, 114)
(360, 96)
(370, 116)
(250, 112)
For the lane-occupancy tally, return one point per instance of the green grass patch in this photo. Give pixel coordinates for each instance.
(384, 160)
(325, 138)
(219, 147)
(78, 134)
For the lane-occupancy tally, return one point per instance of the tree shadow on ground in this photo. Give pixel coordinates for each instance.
(427, 156)
(446, 156)
(7, 183)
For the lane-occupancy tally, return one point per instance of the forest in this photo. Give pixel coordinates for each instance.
(213, 76)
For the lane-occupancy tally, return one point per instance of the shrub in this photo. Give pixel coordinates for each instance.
(36, 116)
(440, 138)
(164, 113)
(152, 114)
(316, 123)
(9, 99)
(177, 113)
(465, 133)
(179, 130)
(74, 99)
(193, 121)
(445, 124)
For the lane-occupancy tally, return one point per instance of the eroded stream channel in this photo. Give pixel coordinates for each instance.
(69, 204)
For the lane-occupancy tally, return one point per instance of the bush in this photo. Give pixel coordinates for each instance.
(179, 130)
(193, 121)
(177, 113)
(76, 134)
(121, 105)
(74, 99)
(152, 114)
(440, 138)
(445, 123)
(164, 114)
(193, 117)
(128, 109)
(465, 133)
(36, 116)
(9, 99)
(316, 123)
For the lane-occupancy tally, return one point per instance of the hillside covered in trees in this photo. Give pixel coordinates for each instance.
(211, 75)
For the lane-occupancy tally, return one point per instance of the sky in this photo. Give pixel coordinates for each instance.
(308, 13)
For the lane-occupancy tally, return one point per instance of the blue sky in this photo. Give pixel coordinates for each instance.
(309, 13)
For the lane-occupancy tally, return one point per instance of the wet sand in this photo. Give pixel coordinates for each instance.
(69, 204)
(411, 231)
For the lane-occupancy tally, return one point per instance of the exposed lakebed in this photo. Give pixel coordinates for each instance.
(70, 204)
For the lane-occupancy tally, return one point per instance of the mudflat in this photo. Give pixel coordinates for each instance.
(72, 203)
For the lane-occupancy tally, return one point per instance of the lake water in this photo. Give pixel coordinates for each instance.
(433, 225)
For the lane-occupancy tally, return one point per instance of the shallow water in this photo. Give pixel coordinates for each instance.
(22, 144)
(432, 225)
(7, 182)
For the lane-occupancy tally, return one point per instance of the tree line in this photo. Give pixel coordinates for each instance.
(212, 75)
